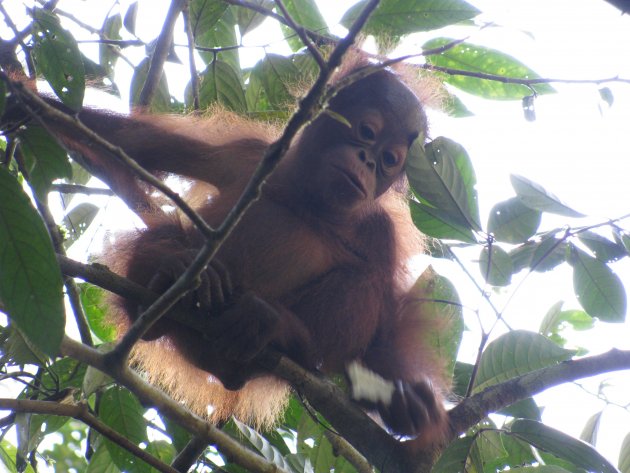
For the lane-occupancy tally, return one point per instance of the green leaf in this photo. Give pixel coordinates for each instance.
(537, 197)
(540, 256)
(479, 59)
(220, 35)
(204, 14)
(77, 221)
(57, 57)
(276, 73)
(130, 18)
(524, 409)
(101, 461)
(555, 318)
(8, 454)
(94, 304)
(401, 17)
(30, 279)
(591, 428)
(453, 458)
(496, 266)
(600, 291)
(562, 445)
(435, 224)
(306, 14)
(624, 455)
(441, 176)
(49, 160)
(514, 354)
(605, 250)
(162, 99)
(513, 222)
(261, 444)
(454, 107)
(248, 19)
(221, 84)
(107, 56)
(436, 299)
(120, 410)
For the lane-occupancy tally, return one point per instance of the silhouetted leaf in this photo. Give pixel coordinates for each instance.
(30, 279)
(537, 197)
(453, 458)
(77, 221)
(107, 53)
(130, 18)
(591, 428)
(306, 14)
(161, 100)
(479, 59)
(605, 250)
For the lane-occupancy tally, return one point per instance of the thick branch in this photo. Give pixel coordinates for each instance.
(475, 408)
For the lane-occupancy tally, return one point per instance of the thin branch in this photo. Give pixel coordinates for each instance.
(80, 412)
(79, 189)
(475, 408)
(162, 48)
(194, 77)
(342, 447)
(189, 454)
(302, 34)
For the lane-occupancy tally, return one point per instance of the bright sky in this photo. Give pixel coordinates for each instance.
(578, 148)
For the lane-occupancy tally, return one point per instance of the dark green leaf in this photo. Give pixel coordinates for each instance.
(560, 444)
(435, 224)
(178, 435)
(101, 461)
(8, 454)
(57, 57)
(518, 453)
(513, 222)
(77, 221)
(537, 197)
(548, 253)
(162, 450)
(400, 17)
(605, 250)
(453, 458)
(49, 160)
(514, 354)
(16, 350)
(120, 410)
(204, 14)
(306, 14)
(220, 84)
(479, 59)
(441, 175)
(107, 52)
(496, 266)
(162, 100)
(30, 279)
(461, 378)
(598, 289)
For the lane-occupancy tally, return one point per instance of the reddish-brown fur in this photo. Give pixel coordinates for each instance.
(325, 248)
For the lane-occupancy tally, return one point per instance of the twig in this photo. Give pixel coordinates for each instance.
(79, 189)
(189, 454)
(194, 77)
(80, 412)
(162, 48)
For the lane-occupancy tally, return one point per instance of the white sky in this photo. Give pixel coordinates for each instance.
(579, 148)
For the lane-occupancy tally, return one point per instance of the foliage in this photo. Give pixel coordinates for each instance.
(444, 205)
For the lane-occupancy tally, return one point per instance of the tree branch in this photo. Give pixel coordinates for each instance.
(162, 48)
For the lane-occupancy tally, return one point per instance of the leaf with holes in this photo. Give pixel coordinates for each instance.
(57, 57)
(30, 279)
(478, 59)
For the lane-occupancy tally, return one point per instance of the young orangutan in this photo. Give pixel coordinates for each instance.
(315, 269)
